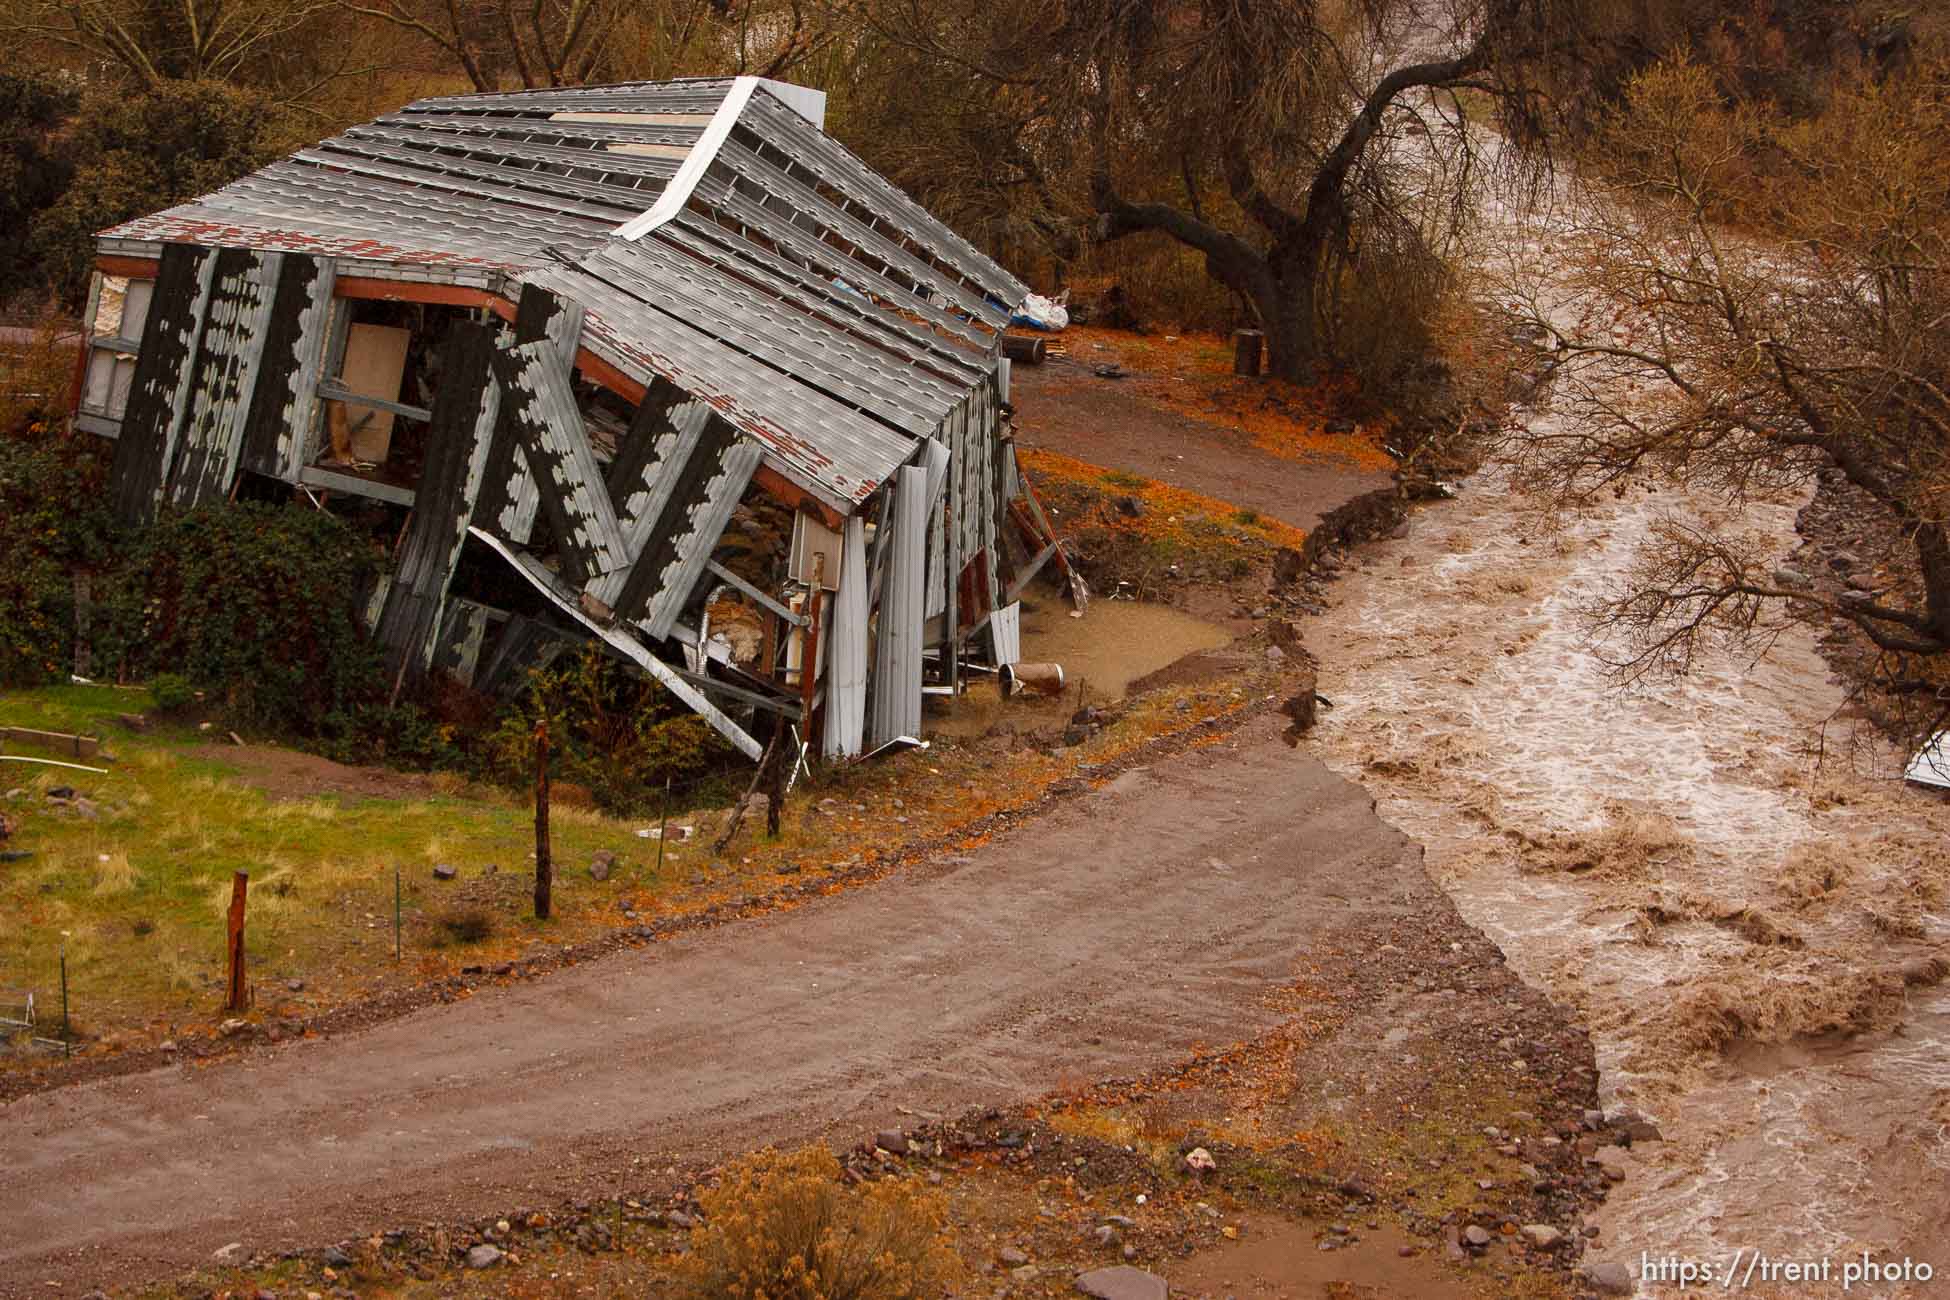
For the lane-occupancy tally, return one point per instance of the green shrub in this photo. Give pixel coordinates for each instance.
(617, 735)
(51, 524)
(256, 605)
(134, 154)
(171, 692)
(781, 1226)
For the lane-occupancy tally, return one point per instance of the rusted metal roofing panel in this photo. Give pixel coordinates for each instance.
(791, 341)
(770, 119)
(159, 391)
(831, 449)
(544, 189)
(225, 375)
(683, 95)
(761, 177)
(845, 309)
(718, 200)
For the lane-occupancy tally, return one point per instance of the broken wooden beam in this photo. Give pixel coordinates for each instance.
(60, 742)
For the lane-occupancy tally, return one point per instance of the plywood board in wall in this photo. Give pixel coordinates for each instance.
(375, 365)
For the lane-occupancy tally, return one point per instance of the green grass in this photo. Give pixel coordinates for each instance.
(141, 892)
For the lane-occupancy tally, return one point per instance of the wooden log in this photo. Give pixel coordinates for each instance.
(1248, 348)
(60, 742)
(1025, 348)
(238, 996)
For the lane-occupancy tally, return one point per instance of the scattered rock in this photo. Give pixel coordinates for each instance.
(1609, 1278)
(1790, 577)
(295, 986)
(679, 1219)
(1611, 1161)
(333, 1257)
(891, 1140)
(234, 1026)
(1122, 1283)
(1200, 1161)
(1542, 1235)
(483, 1256)
(444, 872)
(61, 793)
(167, 1045)
(228, 1254)
(1475, 1237)
(1010, 1257)
(601, 864)
(1641, 1129)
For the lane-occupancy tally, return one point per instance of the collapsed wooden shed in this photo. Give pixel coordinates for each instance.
(726, 400)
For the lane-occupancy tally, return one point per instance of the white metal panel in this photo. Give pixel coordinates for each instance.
(678, 192)
(897, 650)
(846, 664)
(1931, 764)
(1005, 633)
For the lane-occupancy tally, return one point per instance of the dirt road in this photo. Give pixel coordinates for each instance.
(1106, 937)
(1065, 408)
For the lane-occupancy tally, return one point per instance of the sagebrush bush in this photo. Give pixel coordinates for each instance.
(781, 1226)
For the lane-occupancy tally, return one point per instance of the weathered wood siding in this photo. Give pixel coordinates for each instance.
(284, 407)
(159, 394)
(539, 405)
(225, 374)
(508, 500)
(464, 414)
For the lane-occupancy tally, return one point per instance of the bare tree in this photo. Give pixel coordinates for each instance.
(1249, 130)
(534, 43)
(157, 41)
(1759, 300)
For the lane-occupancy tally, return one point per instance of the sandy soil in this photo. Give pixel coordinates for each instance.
(969, 981)
(1062, 406)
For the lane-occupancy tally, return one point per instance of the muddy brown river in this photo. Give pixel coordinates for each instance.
(1723, 879)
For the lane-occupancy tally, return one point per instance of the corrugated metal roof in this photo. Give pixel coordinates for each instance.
(826, 313)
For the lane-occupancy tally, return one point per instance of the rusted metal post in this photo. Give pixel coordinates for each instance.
(238, 998)
(1248, 346)
(67, 1031)
(544, 872)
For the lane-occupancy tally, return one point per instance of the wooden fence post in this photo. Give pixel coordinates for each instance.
(239, 993)
(544, 872)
